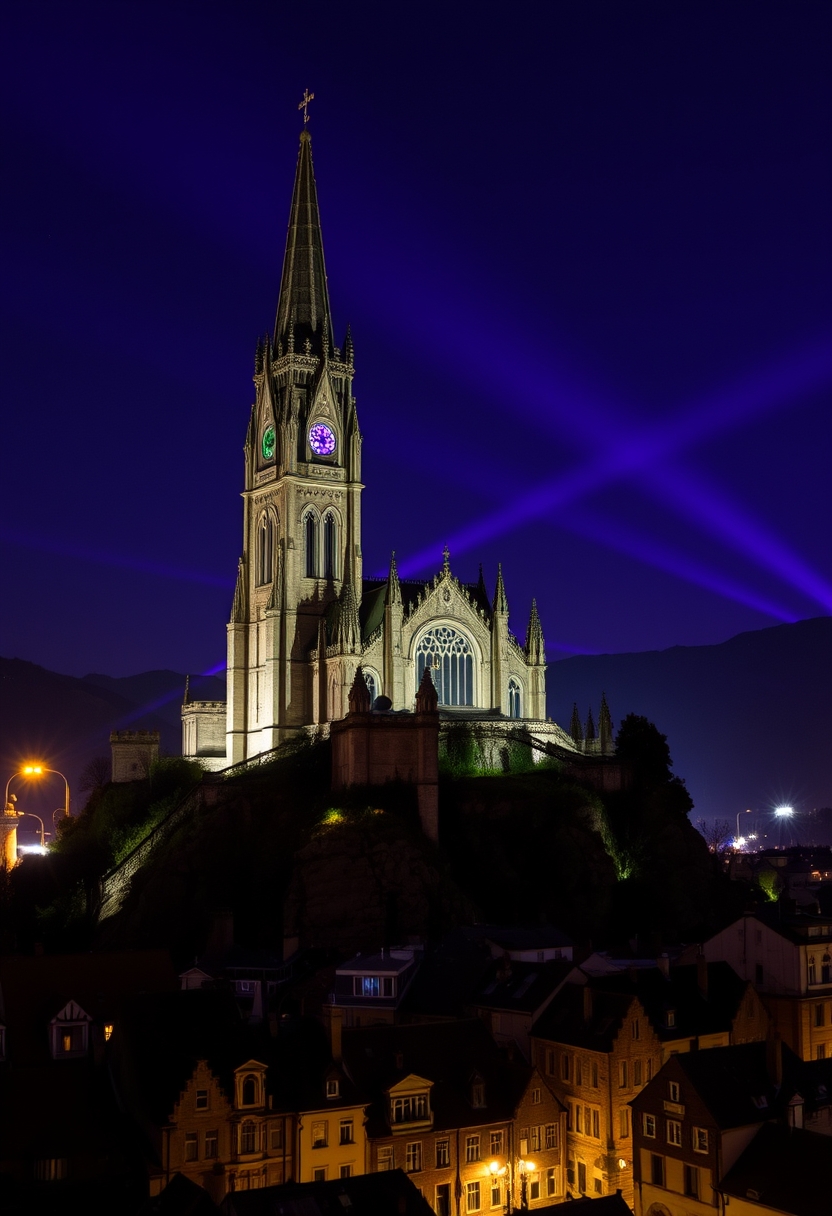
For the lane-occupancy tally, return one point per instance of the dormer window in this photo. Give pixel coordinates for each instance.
(673, 1090)
(69, 1031)
(373, 985)
(250, 1084)
(477, 1094)
(670, 1018)
(333, 1089)
(412, 1108)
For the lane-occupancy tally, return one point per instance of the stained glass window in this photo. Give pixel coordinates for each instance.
(448, 654)
(515, 708)
(321, 439)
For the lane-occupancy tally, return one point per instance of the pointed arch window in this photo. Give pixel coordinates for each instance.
(330, 545)
(450, 657)
(515, 700)
(310, 545)
(371, 680)
(265, 550)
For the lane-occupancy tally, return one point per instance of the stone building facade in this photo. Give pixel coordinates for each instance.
(304, 617)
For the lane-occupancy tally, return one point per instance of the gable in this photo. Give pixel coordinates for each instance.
(71, 1012)
(409, 1085)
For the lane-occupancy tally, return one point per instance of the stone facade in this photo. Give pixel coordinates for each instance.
(134, 751)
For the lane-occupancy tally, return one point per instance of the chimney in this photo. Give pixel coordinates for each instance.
(587, 1003)
(774, 1058)
(702, 975)
(663, 963)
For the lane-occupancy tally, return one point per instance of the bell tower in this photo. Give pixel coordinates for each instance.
(299, 575)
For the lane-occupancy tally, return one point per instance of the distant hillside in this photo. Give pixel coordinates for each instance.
(749, 722)
(67, 721)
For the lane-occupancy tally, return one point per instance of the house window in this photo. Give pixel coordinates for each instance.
(758, 973)
(410, 1109)
(443, 1154)
(624, 1122)
(579, 1118)
(366, 985)
(249, 1091)
(191, 1146)
(825, 969)
(579, 1071)
(346, 1132)
(448, 653)
(265, 550)
(623, 1075)
(276, 1137)
(656, 1169)
(700, 1140)
(535, 1097)
(565, 1066)
(534, 1186)
(472, 1197)
(50, 1169)
(692, 1181)
(812, 971)
(443, 1199)
(248, 1136)
(649, 1126)
(818, 1015)
(413, 1157)
(333, 1089)
(582, 1177)
(593, 1074)
(649, 1070)
(551, 1135)
(514, 700)
(551, 1182)
(71, 1040)
(535, 1139)
(636, 1029)
(345, 1171)
(550, 1062)
(673, 1091)
(820, 1051)
(211, 1145)
(496, 1193)
(472, 1148)
(330, 548)
(385, 1159)
(496, 1144)
(310, 543)
(674, 1132)
(478, 1094)
(201, 1099)
(637, 1073)
(319, 1174)
(596, 1123)
(319, 1134)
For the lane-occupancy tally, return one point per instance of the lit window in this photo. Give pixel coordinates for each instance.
(472, 1148)
(449, 655)
(551, 1135)
(191, 1146)
(700, 1140)
(551, 1182)
(319, 1134)
(443, 1154)
(472, 1197)
(674, 1132)
(413, 1157)
(496, 1144)
(411, 1109)
(108, 1031)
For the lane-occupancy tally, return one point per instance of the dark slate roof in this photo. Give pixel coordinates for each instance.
(535, 937)
(563, 1021)
(390, 1193)
(784, 1168)
(450, 973)
(450, 1054)
(603, 1205)
(732, 1082)
(181, 1197)
(33, 988)
(371, 613)
(795, 926)
(519, 987)
(695, 1013)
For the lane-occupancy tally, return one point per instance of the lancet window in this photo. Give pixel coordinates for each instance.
(449, 655)
(372, 686)
(310, 545)
(515, 701)
(265, 550)
(330, 548)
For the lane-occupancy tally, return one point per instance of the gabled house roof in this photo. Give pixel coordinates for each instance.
(784, 1168)
(390, 1193)
(519, 987)
(452, 1055)
(733, 1083)
(565, 1020)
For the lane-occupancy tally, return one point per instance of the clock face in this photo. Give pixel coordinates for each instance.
(321, 439)
(268, 443)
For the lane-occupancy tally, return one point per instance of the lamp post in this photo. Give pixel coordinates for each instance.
(524, 1167)
(32, 815)
(37, 770)
(738, 837)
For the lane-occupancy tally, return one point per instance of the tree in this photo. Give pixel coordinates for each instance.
(644, 748)
(717, 834)
(95, 774)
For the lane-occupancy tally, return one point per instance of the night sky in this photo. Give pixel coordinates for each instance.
(585, 252)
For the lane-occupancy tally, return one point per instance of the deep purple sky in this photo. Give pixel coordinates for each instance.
(585, 252)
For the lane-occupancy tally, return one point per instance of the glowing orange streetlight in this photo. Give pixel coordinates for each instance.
(37, 770)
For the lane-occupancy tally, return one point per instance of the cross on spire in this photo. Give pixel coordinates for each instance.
(304, 105)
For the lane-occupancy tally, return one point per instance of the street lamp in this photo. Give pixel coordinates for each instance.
(783, 812)
(525, 1167)
(738, 840)
(37, 770)
(32, 815)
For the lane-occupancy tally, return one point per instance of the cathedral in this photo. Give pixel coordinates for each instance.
(304, 618)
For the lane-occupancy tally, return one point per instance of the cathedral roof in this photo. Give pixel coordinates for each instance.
(303, 306)
(374, 592)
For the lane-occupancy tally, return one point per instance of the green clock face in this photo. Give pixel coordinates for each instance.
(268, 442)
